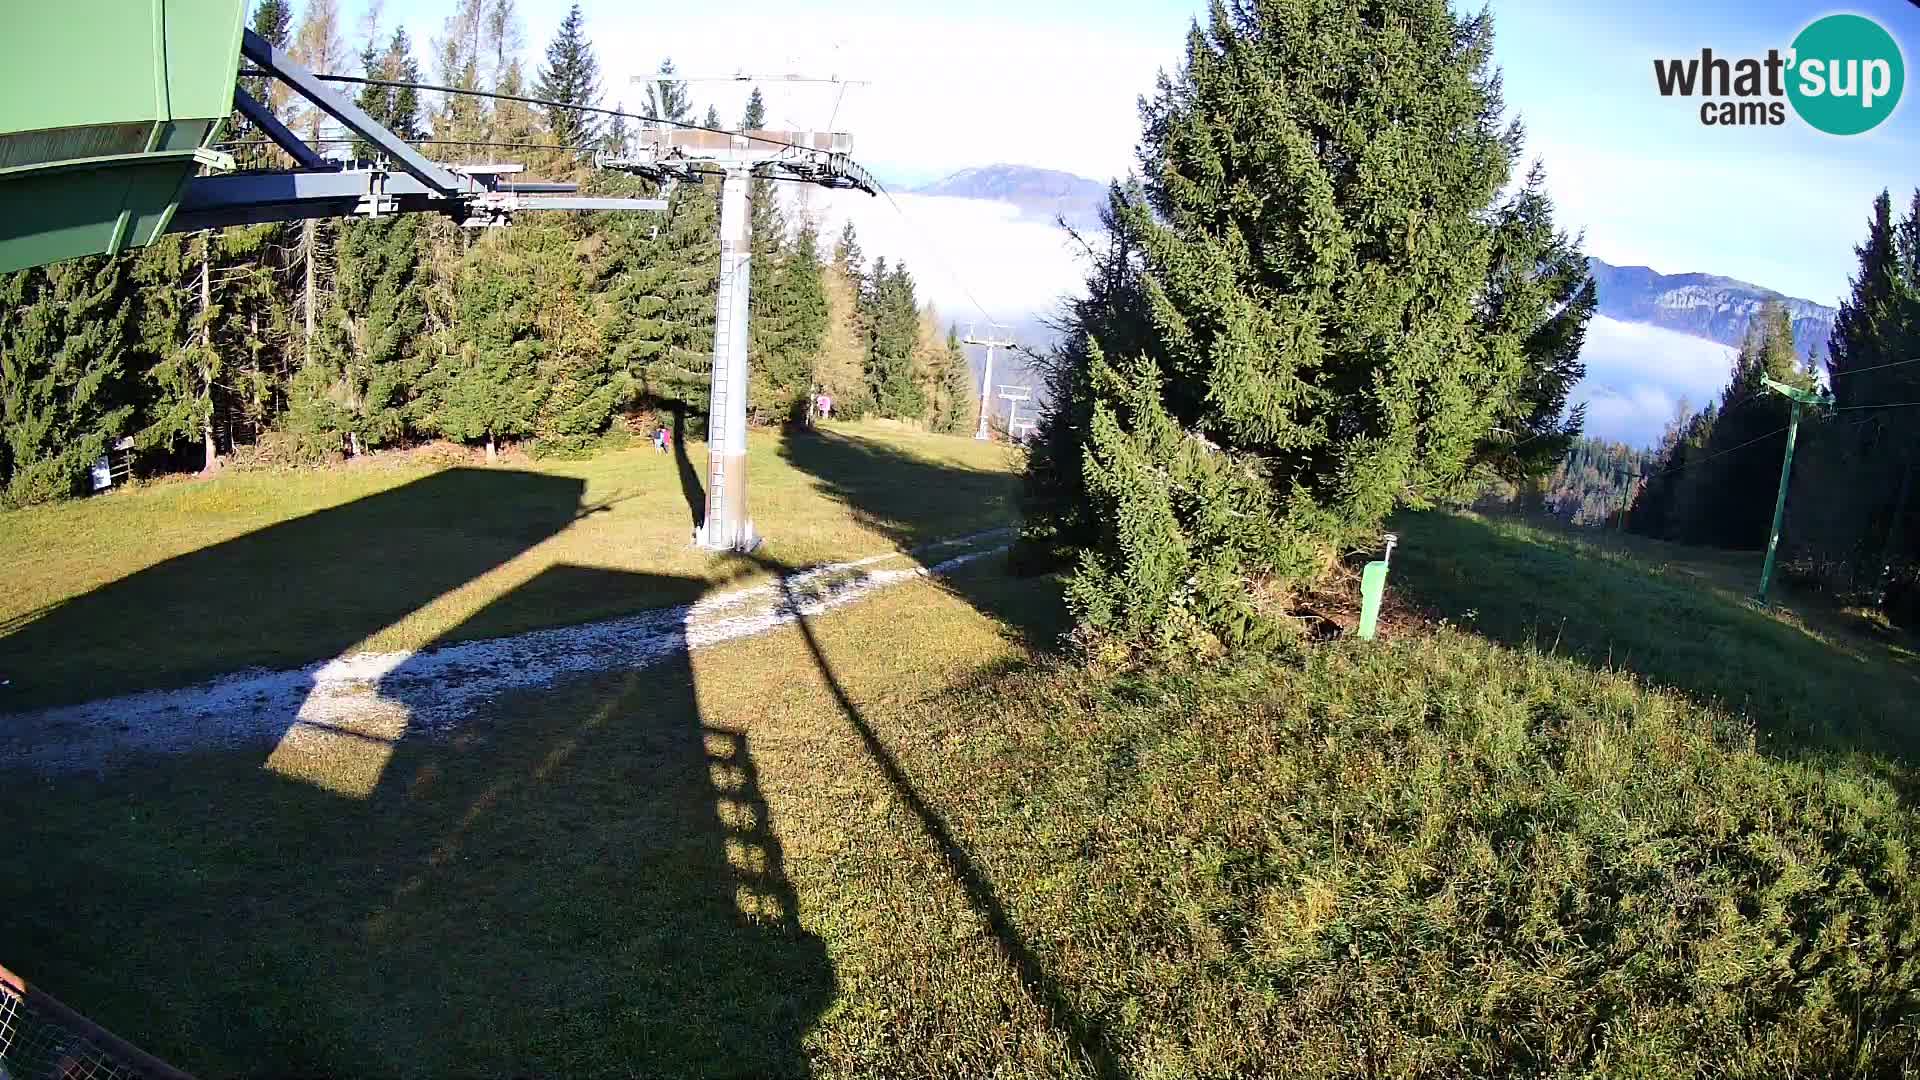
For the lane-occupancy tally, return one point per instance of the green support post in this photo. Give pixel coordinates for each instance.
(1373, 588)
(1801, 399)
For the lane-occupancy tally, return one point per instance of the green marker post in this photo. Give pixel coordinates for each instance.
(1373, 588)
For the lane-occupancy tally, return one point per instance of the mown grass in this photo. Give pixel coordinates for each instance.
(617, 877)
(900, 840)
(178, 581)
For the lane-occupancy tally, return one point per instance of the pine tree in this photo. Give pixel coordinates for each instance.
(713, 118)
(954, 406)
(272, 20)
(360, 389)
(1309, 247)
(571, 75)
(1539, 297)
(892, 320)
(848, 261)
(1730, 504)
(618, 138)
(491, 353)
(667, 99)
(65, 386)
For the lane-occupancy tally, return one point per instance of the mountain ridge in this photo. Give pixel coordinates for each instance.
(1041, 194)
(1703, 305)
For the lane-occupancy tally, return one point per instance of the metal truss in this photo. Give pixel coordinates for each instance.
(404, 181)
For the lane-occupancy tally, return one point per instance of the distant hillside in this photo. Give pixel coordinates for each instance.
(1039, 193)
(1704, 305)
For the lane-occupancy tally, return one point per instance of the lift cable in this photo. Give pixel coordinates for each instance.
(398, 84)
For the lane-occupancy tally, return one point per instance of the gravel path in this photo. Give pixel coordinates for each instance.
(430, 692)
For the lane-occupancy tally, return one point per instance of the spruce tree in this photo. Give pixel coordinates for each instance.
(954, 407)
(581, 384)
(403, 107)
(66, 392)
(272, 20)
(1538, 299)
(491, 353)
(892, 320)
(1847, 503)
(632, 279)
(667, 99)
(848, 260)
(571, 75)
(789, 323)
(1729, 502)
(372, 100)
(1311, 249)
(360, 389)
(618, 137)
(1658, 511)
(690, 250)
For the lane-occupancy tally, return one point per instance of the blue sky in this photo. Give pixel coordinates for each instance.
(1053, 83)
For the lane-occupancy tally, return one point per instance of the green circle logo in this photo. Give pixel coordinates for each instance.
(1847, 74)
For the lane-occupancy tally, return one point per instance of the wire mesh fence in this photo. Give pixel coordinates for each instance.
(41, 1039)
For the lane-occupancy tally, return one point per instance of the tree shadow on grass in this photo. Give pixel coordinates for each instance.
(918, 503)
(1803, 691)
(910, 499)
(570, 878)
(302, 590)
(1081, 1033)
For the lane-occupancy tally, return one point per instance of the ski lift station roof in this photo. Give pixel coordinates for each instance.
(107, 109)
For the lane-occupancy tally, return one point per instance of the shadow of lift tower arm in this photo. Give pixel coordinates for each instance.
(1085, 1036)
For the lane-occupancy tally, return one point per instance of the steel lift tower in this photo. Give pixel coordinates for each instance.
(739, 157)
(993, 336)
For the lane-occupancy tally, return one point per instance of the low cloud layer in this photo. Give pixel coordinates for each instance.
(960, 251)
(1637, 375)
(963, 250)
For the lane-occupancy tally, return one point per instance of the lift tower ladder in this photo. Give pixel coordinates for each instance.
(671, 155)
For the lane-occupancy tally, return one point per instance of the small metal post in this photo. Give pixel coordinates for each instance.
(1373, 588)
(1779, 504)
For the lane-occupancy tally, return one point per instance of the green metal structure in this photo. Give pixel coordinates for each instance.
(1373, 590)
(107, 110)
(1801, 399)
